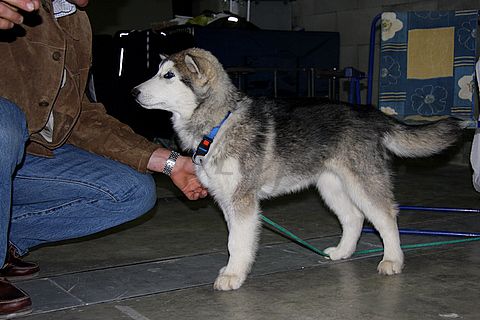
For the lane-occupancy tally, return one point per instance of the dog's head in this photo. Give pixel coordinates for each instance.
(183, 81)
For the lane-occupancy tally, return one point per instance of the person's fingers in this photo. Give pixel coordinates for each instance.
(9, 14)
(26, 5)
(36, 4)
(5, 24)
(202, 193)
(189, 193)
(192, 196)
(197, 194)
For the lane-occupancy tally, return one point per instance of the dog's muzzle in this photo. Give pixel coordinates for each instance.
(135, 92)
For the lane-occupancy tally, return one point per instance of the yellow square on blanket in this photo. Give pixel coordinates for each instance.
(430, 53)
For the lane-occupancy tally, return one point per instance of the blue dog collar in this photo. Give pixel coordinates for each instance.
(206, 141)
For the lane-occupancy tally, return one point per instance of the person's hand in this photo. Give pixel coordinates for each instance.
(184, 177)
(183, 173)
(9, 11)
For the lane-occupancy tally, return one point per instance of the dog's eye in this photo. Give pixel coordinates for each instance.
(169, 75)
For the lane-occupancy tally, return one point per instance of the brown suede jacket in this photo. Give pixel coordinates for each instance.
(33, 57)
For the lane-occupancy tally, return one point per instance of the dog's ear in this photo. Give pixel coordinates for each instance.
(192, 65)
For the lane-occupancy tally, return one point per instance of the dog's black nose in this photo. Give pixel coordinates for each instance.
(135, 92)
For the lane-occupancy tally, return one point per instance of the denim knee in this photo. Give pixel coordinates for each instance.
(144, 197)
(149, 191)
(13, 132)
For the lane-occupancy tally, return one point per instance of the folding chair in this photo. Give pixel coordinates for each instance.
(427, 68)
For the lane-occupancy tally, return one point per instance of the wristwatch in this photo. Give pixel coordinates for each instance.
(170, 163)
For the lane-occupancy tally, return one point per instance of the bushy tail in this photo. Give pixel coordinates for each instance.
(422, 140)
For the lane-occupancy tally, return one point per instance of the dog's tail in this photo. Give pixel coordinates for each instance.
(422, 140)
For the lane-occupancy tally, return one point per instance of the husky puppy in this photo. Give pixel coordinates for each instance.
(267, 148)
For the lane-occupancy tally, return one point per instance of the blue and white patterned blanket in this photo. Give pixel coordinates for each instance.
(427, 64)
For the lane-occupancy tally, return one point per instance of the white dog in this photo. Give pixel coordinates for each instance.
(276, 147)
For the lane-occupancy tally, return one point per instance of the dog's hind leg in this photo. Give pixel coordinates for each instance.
(386, 224)
(244, 227)
(333, 192)
(378, 206)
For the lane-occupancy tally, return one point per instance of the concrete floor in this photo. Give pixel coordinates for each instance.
(163, 266)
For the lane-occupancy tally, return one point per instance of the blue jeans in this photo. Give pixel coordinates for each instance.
(73, 194)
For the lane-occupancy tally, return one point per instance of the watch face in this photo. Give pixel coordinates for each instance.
(170, 163)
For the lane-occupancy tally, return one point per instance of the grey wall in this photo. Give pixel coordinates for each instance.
(198, 6)
(109, 16)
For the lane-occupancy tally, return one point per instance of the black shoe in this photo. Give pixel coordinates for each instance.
(17, 269)
(14, 302)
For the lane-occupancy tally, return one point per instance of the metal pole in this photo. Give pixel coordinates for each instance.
(312, 81)
(373, 29)
(429, 232)
(439, 209)
(275, 83)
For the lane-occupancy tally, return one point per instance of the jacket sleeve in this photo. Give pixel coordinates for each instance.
(100, 133)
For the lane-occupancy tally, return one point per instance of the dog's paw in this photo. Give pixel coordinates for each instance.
(228, 281)
(388, 267)
(335, 253)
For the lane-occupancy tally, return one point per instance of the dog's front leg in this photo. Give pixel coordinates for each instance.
(243, 226)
